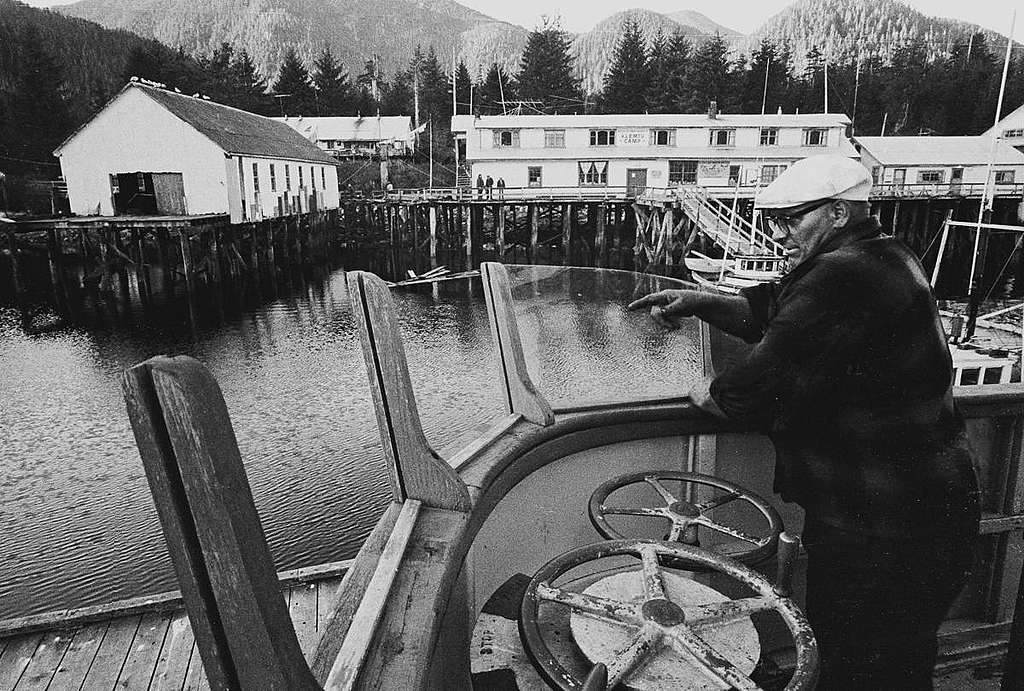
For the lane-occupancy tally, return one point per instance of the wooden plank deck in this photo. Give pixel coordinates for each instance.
(139, 650)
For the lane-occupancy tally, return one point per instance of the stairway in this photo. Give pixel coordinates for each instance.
(728, 230)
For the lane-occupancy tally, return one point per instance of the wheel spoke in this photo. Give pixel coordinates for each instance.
(738, 534)
(699, 617)
(716, 665)
(611, 611)
(646, 642)
(662, 490)
(718, 501)
(676, 532)
(634, 511)
(654, 588)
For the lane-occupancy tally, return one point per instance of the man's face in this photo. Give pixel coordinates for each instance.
(801, 229)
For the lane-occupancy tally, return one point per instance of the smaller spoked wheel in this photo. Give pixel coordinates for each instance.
(653, 627)
(685, 520)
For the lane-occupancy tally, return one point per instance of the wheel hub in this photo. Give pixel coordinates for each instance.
(663, 612)
(684, 509)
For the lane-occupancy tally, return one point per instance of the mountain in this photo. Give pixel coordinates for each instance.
(354, 30)
(698, 21)
(844, 30)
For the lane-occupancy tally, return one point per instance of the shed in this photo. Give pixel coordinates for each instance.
(153, 151)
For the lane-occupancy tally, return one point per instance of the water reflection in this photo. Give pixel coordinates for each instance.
(75, 509)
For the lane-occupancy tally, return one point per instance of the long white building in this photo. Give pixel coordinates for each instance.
(630, 153)
(350, 137)
(150, 151)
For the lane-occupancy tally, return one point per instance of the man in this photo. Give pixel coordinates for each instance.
(489, 184)
(850, 376)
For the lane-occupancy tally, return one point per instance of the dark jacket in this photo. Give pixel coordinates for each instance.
(850, 376)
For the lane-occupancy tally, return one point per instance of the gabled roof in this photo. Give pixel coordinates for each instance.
(233, 130)
(938, 151)
(350, 129)
(1015, 117)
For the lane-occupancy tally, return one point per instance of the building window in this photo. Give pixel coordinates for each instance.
(769, 136)
(323, 178)
(330, 143)
(602, 137)
(504, 139)
(682, 172)
(533, 176)
(255, 177)
(815, 137)
(1003, 177)
(931, 176)
(114, 185)
(273, 179)
(734, 175)
(593, 172)
(554, 139)
(1014, 133)
(287, 177)
(769, 173)
(663, 137)
(723, 138)
(301, 183)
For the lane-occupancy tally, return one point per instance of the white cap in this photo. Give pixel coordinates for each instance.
(830, 176)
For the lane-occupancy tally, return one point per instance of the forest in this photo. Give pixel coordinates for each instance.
(49, 90)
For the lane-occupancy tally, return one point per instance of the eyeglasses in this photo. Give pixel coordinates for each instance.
(785, 221)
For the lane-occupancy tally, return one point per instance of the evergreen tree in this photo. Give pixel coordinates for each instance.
(293, 88)
(396, 97)
(547, 71)
(249, 87)
(709, 78)
(219, 78)
(330, 86)
(463, 84)
(37, 110)
(368, 91)
(656, 98)
(677, 66)
(494, 89)
(628, 74)
(433, 85)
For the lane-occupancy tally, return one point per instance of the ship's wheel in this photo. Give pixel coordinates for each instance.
(684, 520)
(654, 628)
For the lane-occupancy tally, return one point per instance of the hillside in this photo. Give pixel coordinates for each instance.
(845, 29)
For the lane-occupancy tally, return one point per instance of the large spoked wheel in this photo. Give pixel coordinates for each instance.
(685, 518)
(656, 623)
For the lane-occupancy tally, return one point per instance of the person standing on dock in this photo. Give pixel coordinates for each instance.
(850, 377)
(501, 188)
(489, 184)
(480, 185)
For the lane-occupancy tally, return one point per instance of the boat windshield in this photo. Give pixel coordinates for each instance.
(584, 348)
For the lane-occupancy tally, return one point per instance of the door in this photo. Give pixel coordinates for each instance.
(169, 190)
(956, 178)
(899, 176)
(636, 181)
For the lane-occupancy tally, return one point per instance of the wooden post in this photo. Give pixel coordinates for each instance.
(254, 247)
(532, 211)
(499, 239)
(468, 219)
(270, 248)
(567, 214)
(163, 257)
(141, 270)
(600, 247)
(55, 256)
(104, 241)
(186, 259)
(214, 258)
(212, 529)
(12, 249)
(433, 236)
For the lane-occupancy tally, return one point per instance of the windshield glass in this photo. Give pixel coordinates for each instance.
(583, 347)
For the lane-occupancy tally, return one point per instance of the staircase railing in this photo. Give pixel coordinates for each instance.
(729, 230)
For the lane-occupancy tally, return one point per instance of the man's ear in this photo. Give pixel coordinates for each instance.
(841, 214)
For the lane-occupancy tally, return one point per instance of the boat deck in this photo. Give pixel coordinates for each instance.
(149, 649)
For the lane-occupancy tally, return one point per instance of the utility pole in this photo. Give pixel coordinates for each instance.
(856, 87)
(764, 96)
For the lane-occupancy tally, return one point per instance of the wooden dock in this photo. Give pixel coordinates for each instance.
(144, 643)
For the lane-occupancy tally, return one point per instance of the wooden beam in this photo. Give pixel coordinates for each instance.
(533, 212)
(567, 214)
(416, 471)
(213, 531)
(521, 395)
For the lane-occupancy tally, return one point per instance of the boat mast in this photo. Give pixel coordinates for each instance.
(987, 200)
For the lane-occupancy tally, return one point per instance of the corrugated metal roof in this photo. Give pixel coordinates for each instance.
(349, 129)
(938, 151)
(237, 131)
(461, 123)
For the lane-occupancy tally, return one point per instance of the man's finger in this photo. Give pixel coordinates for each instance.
(645, 301)
(662, 319)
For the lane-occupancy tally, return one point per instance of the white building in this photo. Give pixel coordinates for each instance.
(630, 153)
(345, 137)
(1011, 129)
(151, 151)
(929, 166)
